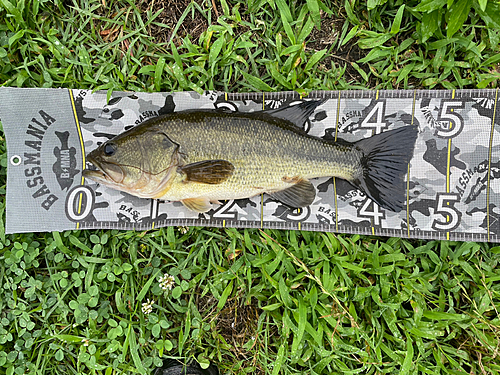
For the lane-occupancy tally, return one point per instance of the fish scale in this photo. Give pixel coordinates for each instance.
(203, 156)
(262, 153)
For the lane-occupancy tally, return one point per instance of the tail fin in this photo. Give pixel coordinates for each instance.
(385, 163)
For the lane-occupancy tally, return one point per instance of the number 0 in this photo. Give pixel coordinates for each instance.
(79, 203)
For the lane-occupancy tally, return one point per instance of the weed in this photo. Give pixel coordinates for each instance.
(263, 302)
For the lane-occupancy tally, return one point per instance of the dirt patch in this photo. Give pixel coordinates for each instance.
(237, 324)
(194, 23)
(328, 37)
(329, 33)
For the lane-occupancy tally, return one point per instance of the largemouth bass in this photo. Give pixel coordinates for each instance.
(200, 157)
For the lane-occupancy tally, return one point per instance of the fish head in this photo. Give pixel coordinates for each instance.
(141, 162)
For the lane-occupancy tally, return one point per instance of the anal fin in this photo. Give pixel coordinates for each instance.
(299, 195)
(197, 204)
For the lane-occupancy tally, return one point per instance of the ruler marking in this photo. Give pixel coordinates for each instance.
(261, 210)
(408, 175)
(153, 211)
(334, 179)
(262, 195)
(372, 221)
(489, 164)
(82, 146)
(373, 230)
(448, 166)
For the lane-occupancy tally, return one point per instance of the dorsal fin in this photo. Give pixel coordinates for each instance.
(296, 114)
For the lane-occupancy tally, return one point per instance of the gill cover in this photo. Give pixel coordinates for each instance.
(138, 161)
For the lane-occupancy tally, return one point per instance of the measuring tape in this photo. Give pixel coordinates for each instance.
(452, 189)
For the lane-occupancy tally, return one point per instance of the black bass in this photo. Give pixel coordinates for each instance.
(199, 157)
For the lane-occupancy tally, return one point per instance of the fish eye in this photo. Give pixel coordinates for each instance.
(109, 149)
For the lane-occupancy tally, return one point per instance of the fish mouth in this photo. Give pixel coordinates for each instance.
(94, 174)
(106, 173)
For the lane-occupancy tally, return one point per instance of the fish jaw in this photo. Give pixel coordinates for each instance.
(104, 179)
(95, 175)
(105, 173)
(147, 186)
(111, 180)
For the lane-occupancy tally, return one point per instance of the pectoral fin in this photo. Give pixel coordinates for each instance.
(197, 204)
(299, 195)
(208, 171)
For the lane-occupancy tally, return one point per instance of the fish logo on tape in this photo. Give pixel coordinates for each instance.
(65, 166)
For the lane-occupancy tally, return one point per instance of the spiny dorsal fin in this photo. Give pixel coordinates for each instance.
(299, 195)
(297, 114)
(208, 171)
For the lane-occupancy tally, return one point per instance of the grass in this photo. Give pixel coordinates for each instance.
(250, 301)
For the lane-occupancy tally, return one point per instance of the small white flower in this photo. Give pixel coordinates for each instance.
(183, 230)
(167, 282)
(147, 307)
(85, 342)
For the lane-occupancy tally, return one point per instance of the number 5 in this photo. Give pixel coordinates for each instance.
(454, 122)
(446, 208)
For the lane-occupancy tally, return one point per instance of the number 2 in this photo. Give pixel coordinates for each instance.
(225, 211)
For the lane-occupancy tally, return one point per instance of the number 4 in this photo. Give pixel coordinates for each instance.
(376, 214)
(377, 111)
